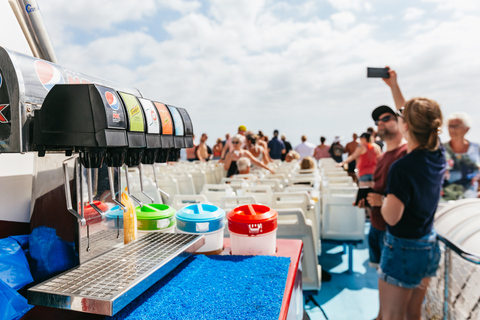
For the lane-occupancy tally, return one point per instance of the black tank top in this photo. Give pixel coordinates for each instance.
(232, 169)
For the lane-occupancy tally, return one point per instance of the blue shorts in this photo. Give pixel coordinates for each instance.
(405, 262)
(366, 178)
(376, 239)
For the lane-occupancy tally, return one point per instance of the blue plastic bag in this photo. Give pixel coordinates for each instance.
(49, 254)
(14, 268)
(12, 304)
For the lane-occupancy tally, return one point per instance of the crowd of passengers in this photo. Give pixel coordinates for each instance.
(409, 171)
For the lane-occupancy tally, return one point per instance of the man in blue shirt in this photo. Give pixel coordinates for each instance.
(276, 147)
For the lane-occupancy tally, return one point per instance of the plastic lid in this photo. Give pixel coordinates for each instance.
(91, 215)
(252, 219)
(200, 218)
(114, 212)
(154, 211)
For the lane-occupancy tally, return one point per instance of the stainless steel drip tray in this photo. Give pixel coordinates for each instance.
(107, 283)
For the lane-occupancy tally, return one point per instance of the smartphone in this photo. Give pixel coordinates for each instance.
(362, 194)
(377, 73)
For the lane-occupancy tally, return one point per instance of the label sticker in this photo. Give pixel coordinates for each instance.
(153, 126)
(177, 121)
(114, 110)
(48, 74)
(165, 118)
(135, 116)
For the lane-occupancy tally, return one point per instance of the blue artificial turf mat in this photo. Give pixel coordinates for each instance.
(215, 287)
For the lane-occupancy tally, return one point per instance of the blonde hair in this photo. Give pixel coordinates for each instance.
(243, 164)
(424, 118)
(307, 163)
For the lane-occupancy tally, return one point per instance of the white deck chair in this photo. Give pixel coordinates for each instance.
(170, 186)
(275, 184)
(301, 199)
(340, 219)
(211, 173)
(245, 176)
(199, 179)
(263, 194)
(236, 183)
(215, 192)
(218, 174)
(185, 183)
(180, 201)
(149, 187)
(292, 224)
(283, 177)
(326, 162)
(307, 181)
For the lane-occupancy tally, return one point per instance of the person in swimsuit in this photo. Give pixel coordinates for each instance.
(236, 153)
(255, 149)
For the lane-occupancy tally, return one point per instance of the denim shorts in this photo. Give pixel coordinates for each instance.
(366, 178)
(405, 262)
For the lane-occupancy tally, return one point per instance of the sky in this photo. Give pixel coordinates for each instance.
(296, 66)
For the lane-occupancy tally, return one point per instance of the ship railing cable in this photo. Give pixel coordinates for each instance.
(453, 293)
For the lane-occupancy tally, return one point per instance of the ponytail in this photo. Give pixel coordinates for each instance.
(424, 119)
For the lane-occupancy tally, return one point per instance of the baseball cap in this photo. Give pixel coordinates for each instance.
(381, 110)
(242, 128)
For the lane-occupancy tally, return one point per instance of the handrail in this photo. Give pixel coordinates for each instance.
(471, 257)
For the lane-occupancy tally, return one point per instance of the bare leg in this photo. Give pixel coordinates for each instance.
(393, 301)
(414, 307)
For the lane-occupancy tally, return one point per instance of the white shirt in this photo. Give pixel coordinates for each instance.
(305, 149)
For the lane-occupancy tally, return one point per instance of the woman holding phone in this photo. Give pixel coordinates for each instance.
(411, 253)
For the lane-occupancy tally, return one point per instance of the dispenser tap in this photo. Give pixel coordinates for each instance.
(140, 203)
(156, 183)
(90, 193)
(68, 193)
(141, 184)
(112, 188)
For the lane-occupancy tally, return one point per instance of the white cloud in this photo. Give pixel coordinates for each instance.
(413, 13)
(241, 63)
(350, 4)
(343, 20)
(181, 5)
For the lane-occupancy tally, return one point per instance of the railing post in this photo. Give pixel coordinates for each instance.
(446, 278)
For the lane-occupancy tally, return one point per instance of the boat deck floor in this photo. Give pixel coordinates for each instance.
(345, 296)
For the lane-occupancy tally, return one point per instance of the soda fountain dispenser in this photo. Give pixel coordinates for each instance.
(78, 130)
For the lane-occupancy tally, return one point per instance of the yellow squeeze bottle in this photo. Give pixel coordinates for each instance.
(129, 219)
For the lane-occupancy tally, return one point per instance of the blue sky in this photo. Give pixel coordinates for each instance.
(296, 66)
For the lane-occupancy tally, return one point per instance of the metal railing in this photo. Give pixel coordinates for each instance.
(455, 293)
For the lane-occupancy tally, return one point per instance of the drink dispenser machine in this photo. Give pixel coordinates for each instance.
(82, 130)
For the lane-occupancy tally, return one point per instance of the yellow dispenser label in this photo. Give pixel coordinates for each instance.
(135, 115)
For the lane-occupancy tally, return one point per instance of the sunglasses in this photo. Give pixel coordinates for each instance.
(400, 112)
(455, 126)
(384, 119)
(235, 142)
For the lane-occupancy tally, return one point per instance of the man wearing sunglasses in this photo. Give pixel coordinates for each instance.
(388, 130)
